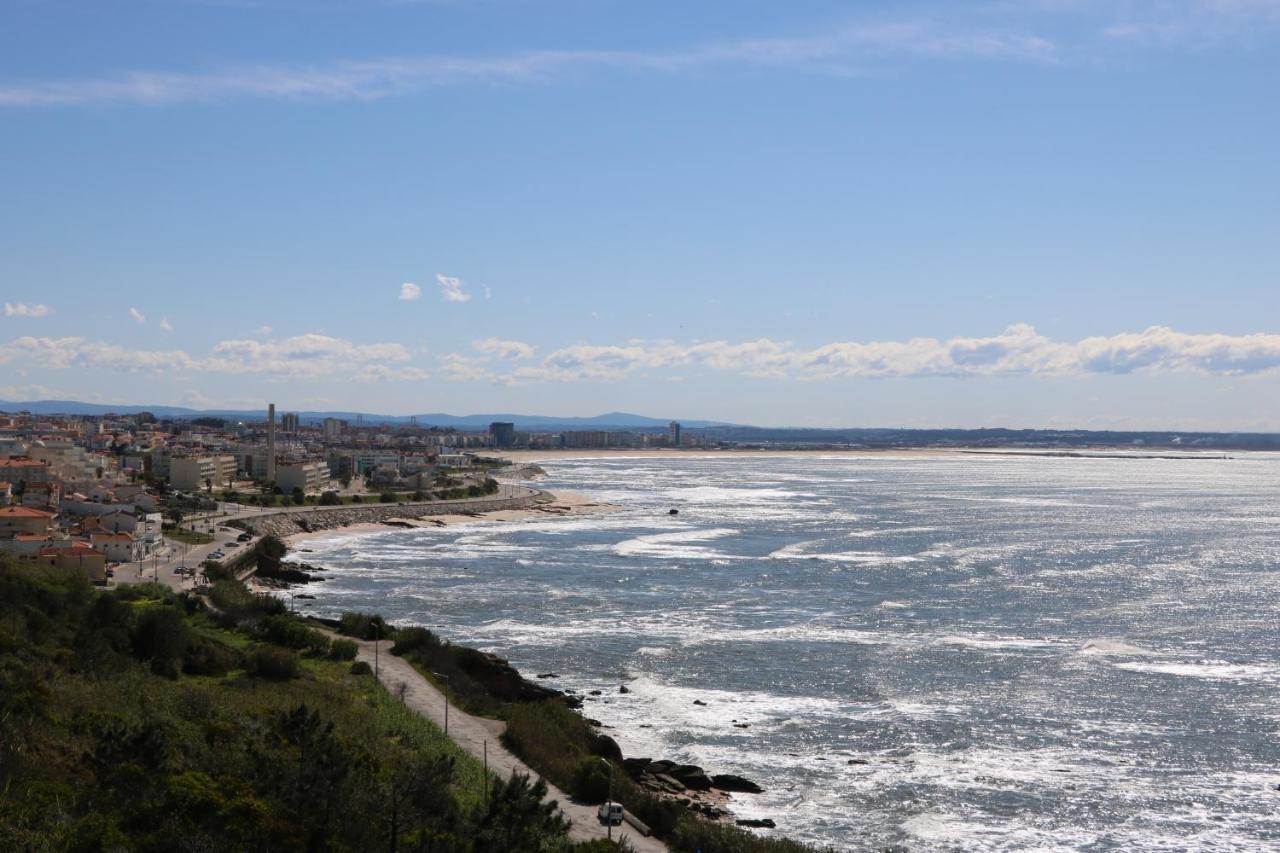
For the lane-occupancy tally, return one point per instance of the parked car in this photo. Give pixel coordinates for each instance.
(610, 813)
(233, 545)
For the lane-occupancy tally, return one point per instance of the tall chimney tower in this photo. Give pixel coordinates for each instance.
(271, 442)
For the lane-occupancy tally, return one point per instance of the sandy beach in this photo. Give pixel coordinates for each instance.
(668, 453)
(564, 503)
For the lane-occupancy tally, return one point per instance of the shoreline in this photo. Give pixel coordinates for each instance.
(560, 504)
(714, 805)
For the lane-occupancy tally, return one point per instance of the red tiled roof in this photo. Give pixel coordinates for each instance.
(24, 512)
(73, 551)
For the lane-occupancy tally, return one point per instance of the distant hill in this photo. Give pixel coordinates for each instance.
(542, 423)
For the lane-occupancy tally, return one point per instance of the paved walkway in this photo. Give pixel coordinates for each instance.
(472, 733)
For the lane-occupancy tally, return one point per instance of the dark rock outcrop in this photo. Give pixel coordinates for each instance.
(735, 784)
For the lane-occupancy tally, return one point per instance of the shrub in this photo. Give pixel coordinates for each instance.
(161, 638)
(365, 626)
(387, 498)
(551, 737)
(591, 781)
(285, 630)
(342, 650)
(206, 656)
(361, 668)
(414, 639)
(273, 663)
(330, 499)
(356, 499)
(215, 571)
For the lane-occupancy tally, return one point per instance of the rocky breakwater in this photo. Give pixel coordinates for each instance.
(703, 793)
(290, 522)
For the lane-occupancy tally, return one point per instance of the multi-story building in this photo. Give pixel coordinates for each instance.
(503, 433)
(673, 433)
(289, 422)
(333, 427)
(19, 520)
(311, 477)
(195, 473)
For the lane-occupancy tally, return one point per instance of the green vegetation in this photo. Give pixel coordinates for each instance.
(137, 720)
(189, 537)
(553, 738)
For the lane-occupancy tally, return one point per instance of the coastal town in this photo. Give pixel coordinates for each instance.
(133, 494)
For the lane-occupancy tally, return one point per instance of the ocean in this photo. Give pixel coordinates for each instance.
(963, 652)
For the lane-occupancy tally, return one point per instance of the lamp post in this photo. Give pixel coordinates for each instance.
(445, 678)
(375, 651)
(609, 800)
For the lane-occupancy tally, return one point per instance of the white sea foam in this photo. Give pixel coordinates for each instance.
(983, 641)
(1116, 648)
(680, 545)
(1217, 670)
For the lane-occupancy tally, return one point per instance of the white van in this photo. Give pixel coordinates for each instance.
(610, 813)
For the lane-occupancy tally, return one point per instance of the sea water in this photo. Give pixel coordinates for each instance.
(963, 652)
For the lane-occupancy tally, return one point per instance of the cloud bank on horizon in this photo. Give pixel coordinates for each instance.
(1017, 351)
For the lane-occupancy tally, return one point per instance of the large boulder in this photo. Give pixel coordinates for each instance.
(691, 776)
(735, 783)
(635, 766)
(606, 747)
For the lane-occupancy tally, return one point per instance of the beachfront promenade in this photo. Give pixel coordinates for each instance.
(477, 735)
(284, 521)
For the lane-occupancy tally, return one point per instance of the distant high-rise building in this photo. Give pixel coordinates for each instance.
(673, 433)
(289, 423)
(271, 442)
(504, 434)
(334, 427)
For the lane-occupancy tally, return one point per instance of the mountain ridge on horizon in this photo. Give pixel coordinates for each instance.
(440, 419)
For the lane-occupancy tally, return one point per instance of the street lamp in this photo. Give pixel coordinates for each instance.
(609, 800)
(446, 700)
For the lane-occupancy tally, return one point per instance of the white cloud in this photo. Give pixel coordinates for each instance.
(300, 357)
(311, 355)
(451, 288)
(462, 368)
(1047, 31)
(22, 309)
(137, 315)
(488, 294)
(165, 324)
(409, 290)
(508, 350)
(385, 373)
(1018, 351)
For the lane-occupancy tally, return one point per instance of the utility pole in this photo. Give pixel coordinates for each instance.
(445, 678)
(375, 651)
(609, 800)
(486, 773)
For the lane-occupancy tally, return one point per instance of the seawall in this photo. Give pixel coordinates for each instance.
(288, 522)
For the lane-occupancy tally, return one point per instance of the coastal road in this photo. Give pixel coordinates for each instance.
(173, 554)
(473, 733)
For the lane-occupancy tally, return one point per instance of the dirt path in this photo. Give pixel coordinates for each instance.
(472, 734)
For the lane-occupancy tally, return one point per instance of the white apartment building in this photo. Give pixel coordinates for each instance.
(193, 473)
(311, 477)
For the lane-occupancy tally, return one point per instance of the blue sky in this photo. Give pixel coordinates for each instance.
(1052, 213)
